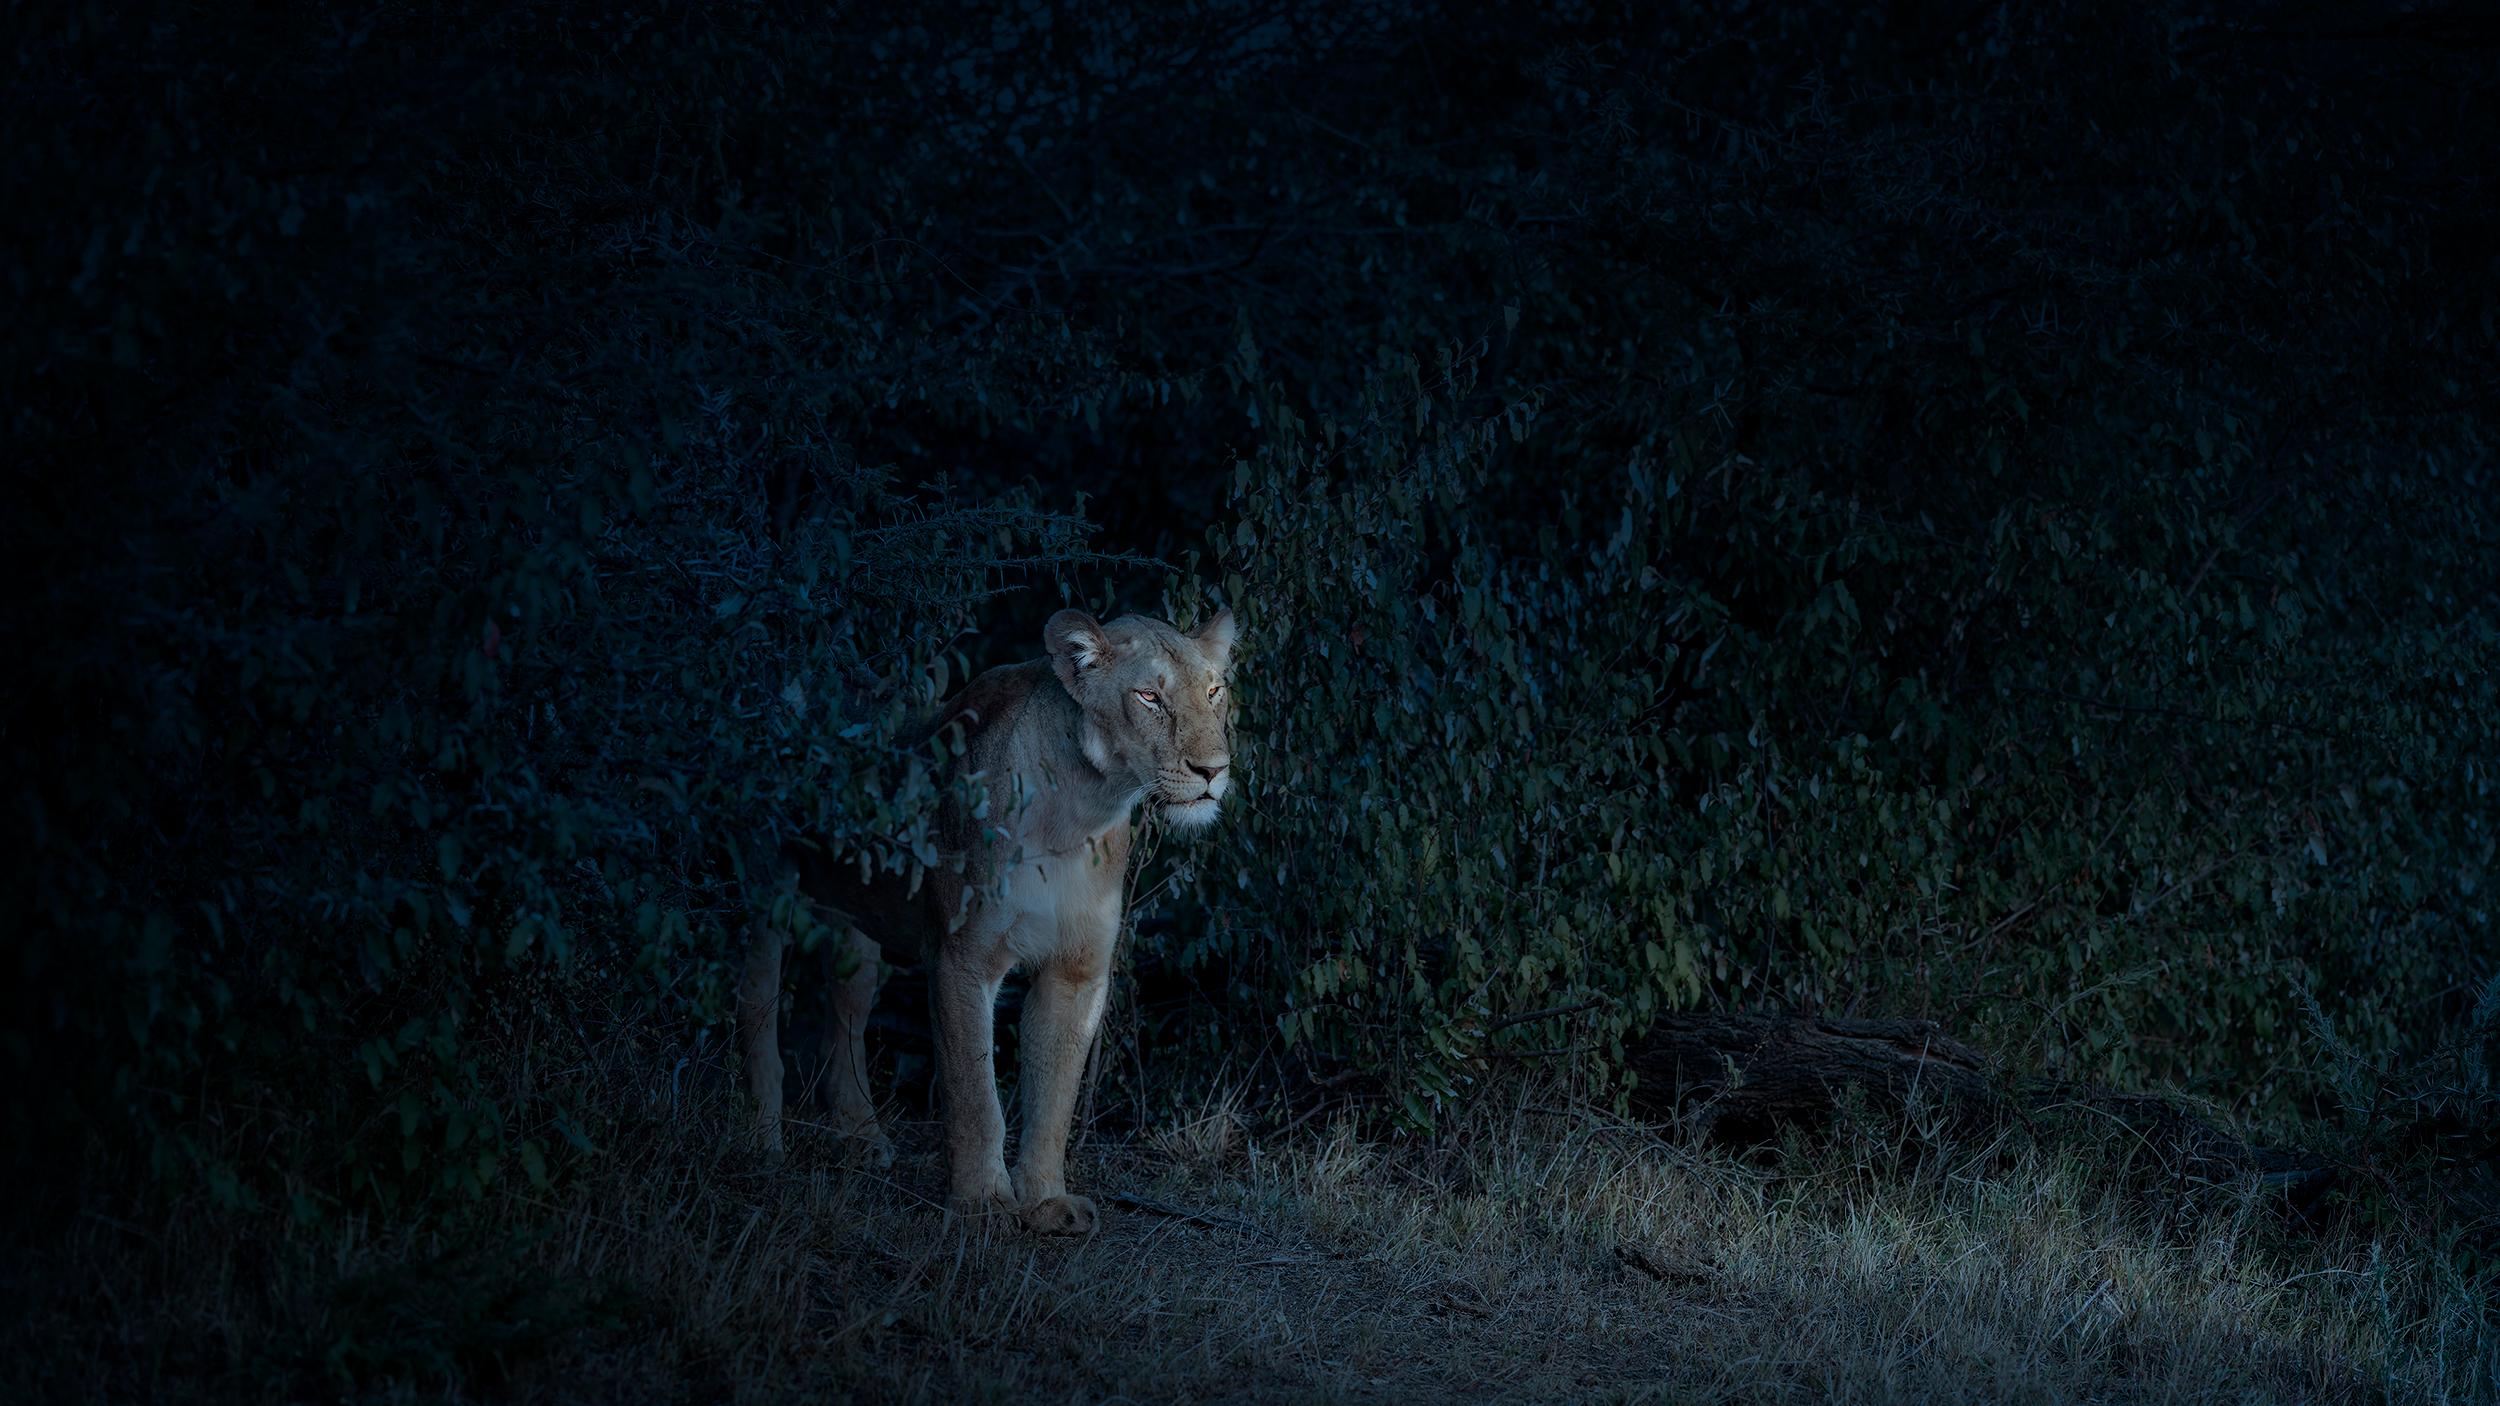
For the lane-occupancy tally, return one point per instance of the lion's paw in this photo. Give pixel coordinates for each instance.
(1061, 1215)
(765, 1142)
(991, 1195)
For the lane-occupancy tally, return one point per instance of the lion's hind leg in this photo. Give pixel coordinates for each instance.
(759, 1031)
(851, 978)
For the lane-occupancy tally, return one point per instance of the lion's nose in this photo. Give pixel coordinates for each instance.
(1211, 770)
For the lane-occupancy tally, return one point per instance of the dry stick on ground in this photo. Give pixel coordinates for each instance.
(1674, 1276)
(1216, 1219)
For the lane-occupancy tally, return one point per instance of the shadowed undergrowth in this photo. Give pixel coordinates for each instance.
(1536, 1251)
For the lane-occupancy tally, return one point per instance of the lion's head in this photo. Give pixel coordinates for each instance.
(1154, 705)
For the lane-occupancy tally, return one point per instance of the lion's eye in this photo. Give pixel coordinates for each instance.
(1215, 693)
(1147, 697)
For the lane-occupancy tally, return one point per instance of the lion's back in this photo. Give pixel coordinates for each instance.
(900, 909)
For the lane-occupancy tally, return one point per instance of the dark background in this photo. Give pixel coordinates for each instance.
(1970, 511)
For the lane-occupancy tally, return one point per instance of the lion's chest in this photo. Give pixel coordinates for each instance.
(1062, 905)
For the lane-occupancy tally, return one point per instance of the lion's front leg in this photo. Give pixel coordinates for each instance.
(1061, 1013)
(963, 997)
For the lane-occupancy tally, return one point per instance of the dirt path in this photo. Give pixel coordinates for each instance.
(1583, 1270)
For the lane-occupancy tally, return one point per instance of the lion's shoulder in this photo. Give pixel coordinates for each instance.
(995, 701)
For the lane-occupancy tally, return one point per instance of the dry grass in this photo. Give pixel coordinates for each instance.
(1533, 1254)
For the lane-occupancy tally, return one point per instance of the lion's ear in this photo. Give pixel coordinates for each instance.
(1216, 638)
(1076, 643)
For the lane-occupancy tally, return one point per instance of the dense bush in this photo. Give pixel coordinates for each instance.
(1572, 767)
(492, 584)
(1982, 514)
(1920, 581)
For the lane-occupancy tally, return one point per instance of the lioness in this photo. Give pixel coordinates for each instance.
(1067, 746)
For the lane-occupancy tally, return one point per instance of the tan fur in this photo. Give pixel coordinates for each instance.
(1067, 748)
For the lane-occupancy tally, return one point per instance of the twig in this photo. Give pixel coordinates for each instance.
(1527, 1017)
(1552, 1052)
(1306, 1115)
(2156, 710)
(1216, 1219)
(1634, 1257)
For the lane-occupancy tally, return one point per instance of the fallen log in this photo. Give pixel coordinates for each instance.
(1741, 1078)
